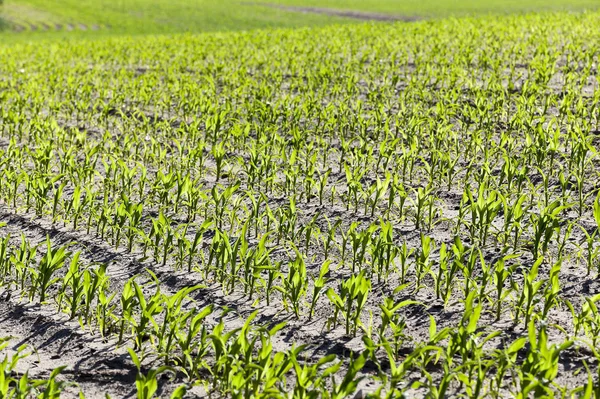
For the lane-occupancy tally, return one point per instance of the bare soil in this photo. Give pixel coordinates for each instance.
(361, 15)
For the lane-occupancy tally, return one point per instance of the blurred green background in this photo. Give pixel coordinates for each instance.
(107, 17)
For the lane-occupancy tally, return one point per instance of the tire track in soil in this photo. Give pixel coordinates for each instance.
(123, 265)
(353, 14)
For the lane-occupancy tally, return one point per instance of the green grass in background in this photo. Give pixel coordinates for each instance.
(437, 8)
(154, 16)
(97, 18)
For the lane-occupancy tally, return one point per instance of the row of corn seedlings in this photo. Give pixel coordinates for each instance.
(170, 330)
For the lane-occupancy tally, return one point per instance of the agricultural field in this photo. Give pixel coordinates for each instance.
(358, 210)
(444, 8)
(41, 19)
(59, 19)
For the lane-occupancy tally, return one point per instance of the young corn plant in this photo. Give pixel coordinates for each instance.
(423, 259)
(295, 284)
(426, 213)
(318, 285)
(43, 275)
(588, 320)
(194, 344)
(391, 330)
(501, 275)
(384, 252)
(174, 319)
(146, 384)
(530, 293)
(541, 365)
(148, 309)
(309, 379)
(350, 301)
(545, 226)
(73, 289)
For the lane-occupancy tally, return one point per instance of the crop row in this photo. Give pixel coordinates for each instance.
(171, 331)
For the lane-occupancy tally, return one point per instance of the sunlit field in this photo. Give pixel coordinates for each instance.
(265, 202)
